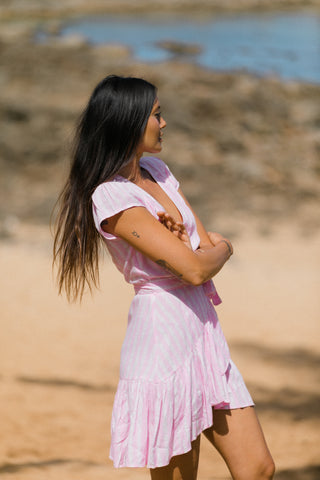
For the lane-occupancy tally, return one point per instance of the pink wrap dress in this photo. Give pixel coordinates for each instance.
(175, 363)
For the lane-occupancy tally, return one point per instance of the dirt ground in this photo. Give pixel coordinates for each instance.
(59, 362)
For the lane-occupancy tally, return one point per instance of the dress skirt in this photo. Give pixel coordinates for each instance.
(175, 367)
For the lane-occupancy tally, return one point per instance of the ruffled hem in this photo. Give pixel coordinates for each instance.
(154, 421)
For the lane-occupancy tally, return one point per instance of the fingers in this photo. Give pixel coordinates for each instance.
(216, 238)
(169, 222)
(177, 228)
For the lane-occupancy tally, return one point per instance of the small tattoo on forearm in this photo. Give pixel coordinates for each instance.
(166, 265)
(135, 234)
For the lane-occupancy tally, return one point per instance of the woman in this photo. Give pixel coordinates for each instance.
(177, 379)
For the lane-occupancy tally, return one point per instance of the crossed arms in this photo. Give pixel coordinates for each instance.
(166, 242)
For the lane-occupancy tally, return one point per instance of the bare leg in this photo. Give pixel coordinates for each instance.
(181, 467)
(238, 437)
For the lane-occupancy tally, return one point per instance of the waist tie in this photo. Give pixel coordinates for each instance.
(167, 284)
(211, 292)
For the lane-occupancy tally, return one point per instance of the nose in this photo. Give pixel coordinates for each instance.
(163, 123)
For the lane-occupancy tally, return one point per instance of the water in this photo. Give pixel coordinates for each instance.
(285, 44)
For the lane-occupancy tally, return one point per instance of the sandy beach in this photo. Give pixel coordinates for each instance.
(246, 150)
(59, 362)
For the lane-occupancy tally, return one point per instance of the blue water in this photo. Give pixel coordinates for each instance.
(285, 44)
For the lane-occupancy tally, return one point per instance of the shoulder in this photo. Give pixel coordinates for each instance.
(117, 186)
(154, 164)
(114, 196)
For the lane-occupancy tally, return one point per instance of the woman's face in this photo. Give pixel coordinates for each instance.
(152, 138)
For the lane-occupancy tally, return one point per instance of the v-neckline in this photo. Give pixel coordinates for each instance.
(161, 185)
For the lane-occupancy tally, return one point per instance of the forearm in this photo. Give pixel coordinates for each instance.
(211, 260)
(141, 230)
(203, 234)
(200, 267)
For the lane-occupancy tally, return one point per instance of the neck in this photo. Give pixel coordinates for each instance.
(132, 170)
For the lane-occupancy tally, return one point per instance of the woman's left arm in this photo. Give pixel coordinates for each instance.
(204, 237)
(207, 239)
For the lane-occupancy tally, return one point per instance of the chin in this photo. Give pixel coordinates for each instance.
(158, 149)
(154, 150)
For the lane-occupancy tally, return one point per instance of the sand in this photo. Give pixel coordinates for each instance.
(59, 362)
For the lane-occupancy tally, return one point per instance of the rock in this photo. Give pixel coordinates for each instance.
(112, 51)
(179, 48)
(69, 41)
(16, 32)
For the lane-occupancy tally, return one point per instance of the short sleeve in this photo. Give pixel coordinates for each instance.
(113, 197)
(161, 170)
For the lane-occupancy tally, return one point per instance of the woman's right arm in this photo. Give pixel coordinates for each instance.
(145, 233)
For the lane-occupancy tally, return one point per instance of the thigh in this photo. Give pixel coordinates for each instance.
(238, 436)
(181, 467)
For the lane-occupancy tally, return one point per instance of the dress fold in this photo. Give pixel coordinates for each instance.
(161, 419)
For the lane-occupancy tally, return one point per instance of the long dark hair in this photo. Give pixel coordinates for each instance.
(107, 136)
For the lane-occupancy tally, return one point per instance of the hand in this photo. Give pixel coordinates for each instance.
(216, 238)
(177, 228)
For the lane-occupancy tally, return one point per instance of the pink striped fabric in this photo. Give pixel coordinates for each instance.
(175, 362)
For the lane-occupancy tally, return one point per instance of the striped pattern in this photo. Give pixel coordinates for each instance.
(175, 362)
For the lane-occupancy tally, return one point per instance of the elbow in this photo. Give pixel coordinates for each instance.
(198, 272)
(196, 279)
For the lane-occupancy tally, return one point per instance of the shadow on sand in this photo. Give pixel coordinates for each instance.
(311, 472)
(287, 401)
(17, 467)
(295, 402)
(62, 382)
(290, 358)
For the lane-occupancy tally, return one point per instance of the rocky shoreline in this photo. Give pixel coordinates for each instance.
(243, 146)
